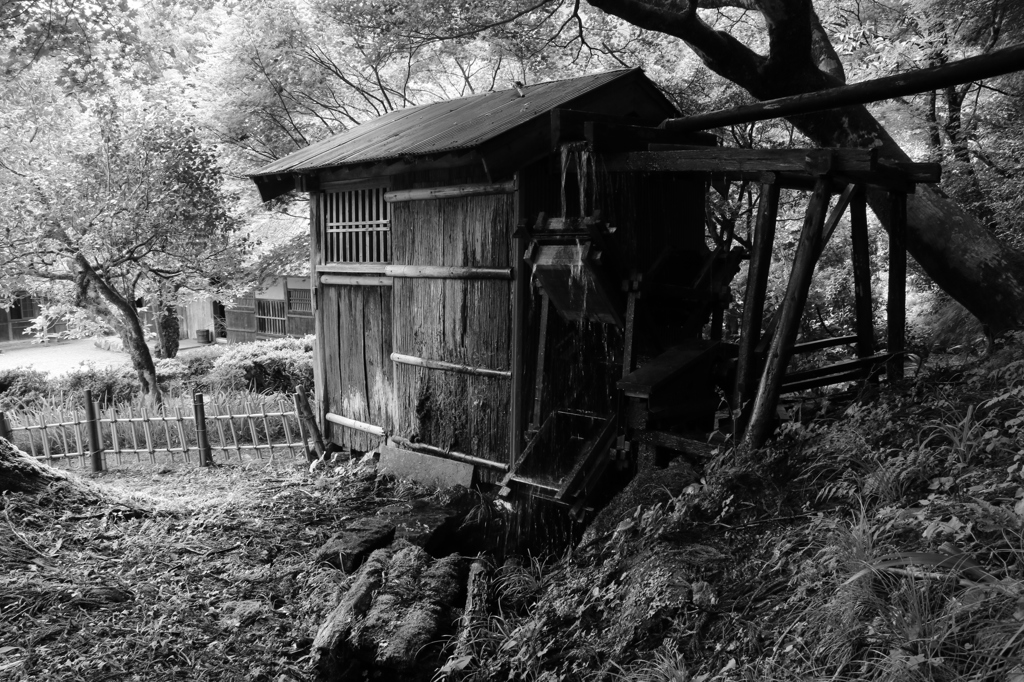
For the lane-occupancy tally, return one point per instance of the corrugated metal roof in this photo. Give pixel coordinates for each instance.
(449, 126)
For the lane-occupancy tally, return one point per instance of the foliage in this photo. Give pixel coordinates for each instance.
(21, 387)
(266, 366)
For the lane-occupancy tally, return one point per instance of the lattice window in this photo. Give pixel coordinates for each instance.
(355, 226)
(300, 302)
(270, 317)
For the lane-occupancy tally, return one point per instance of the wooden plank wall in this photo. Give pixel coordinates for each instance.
(467, 322)
(241, 325)
(357, 360)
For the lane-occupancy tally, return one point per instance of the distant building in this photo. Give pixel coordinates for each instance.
(15, 321)
(283, 306)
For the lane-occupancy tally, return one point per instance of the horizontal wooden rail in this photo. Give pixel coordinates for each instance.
(355, 424)
(357, 280)
(448, 192)
(968, 70)
(821, 344)
(447, 272)
(449, 366)
(711, 160)
(836, 369)
(448, 454)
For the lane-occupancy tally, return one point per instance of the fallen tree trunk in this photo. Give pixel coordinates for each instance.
(21, 473)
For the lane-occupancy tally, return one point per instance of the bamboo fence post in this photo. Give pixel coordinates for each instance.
(167, 433)
(5, 427)
(220, 428)
(45, 438)
(287, 429)
(234, 434)
(64, 433)
(302, 430)
(306, 413)
(180, 423)
(135, 437)
(115, 442)
(95, 447)
(148, 434)
(266, 430)
(252, 428)
(77, 423)
(203, 441)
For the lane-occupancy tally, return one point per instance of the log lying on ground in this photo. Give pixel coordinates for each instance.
(390, 622)
(21, 473)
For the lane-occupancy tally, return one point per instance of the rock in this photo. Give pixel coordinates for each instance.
(346, 550)
(425, 524)
(426, 469)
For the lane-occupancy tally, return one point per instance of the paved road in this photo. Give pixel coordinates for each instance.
(60, 358)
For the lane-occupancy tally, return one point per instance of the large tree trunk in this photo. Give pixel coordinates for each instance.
(953, 246)
(132, 335)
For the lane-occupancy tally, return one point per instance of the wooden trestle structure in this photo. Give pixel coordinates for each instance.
(667, 387)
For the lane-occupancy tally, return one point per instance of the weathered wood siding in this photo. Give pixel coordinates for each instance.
(357, 360)
(300, 325)
(241, 325)
(467, 322)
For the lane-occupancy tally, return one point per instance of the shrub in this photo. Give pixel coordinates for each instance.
(21, 387)
(265, 366)
(109, 386)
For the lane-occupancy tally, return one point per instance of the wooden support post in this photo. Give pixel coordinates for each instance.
(542, 342)
(753, 300)
(627, 344)
(202, 437)
(93, 425)
(319, 333)
(896, 306)
(520, 298)
(862, 276)
(306, 414)
(781, 349)
(5, 427)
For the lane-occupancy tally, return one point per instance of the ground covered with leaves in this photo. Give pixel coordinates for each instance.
(185, 573)
(881, 539)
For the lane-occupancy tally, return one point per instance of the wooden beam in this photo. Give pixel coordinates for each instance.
(542, 344)
(878, 361)
(822, 344)
(446, 272)
(726, 160)
(567, 125)
(754, 298)
(781, 349)
(896, 305)
(319, 361)
(355, 424)
(448, 192)
(357, 280)
(862, 275)
(617, 137)
(449, 366)
(352, 268)
(989, 65)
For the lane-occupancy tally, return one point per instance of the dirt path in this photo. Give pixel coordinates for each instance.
(215, 583)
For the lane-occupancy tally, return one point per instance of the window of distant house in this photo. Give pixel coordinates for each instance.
(355, 226)
(270, 318)
(24, 308)
(300, 302)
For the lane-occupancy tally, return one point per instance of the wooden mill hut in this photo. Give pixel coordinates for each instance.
(421, 292)
(521, 280)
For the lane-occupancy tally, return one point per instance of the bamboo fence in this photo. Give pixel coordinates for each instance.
(223, 428)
